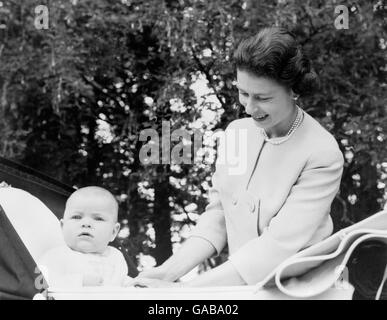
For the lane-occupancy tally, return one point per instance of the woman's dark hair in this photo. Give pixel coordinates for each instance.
(274, 53)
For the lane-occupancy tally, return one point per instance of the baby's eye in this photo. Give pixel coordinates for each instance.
(77, 217)
(99, 219)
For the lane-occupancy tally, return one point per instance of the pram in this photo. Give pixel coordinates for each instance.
(29, 227)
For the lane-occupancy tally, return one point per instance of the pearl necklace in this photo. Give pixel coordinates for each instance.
(297, 122)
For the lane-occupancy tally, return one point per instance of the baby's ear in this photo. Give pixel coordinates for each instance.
(116, 229)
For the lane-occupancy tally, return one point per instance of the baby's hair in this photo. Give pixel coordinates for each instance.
(274, 53)
(95, 191)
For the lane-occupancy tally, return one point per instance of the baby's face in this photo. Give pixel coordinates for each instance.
(89, 223)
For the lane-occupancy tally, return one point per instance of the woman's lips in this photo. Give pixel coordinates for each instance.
(260, 118)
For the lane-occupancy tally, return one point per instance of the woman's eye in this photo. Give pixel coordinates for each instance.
(263, 99)
(258, 98)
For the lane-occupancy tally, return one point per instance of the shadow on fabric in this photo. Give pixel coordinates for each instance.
(18, 270)
(366, 269)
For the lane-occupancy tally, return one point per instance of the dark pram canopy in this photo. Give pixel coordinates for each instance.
(52, 192)
(17, 268)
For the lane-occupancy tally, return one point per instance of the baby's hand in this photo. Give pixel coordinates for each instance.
(92, 280)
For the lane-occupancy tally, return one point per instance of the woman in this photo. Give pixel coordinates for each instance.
(281, 204)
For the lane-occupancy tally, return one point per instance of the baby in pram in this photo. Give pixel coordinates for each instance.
(89, 225)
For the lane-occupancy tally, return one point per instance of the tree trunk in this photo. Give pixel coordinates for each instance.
(92, 155)
(162, 221)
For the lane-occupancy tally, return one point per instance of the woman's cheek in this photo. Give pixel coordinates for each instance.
(269, 106)
(242, 100)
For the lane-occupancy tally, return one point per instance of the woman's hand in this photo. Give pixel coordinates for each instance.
(154, 283)
(127, 282)
(193, 252)
(155, 273)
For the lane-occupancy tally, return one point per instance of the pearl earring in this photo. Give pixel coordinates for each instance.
(295, 96)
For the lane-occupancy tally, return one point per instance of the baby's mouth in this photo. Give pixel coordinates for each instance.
(86, 234)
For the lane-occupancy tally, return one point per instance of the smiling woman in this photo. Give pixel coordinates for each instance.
(272, 109)
(272, 72)
(281, 203)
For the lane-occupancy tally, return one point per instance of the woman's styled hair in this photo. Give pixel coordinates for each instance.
(274, 53)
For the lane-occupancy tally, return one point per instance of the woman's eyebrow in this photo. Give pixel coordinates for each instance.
(255, 94)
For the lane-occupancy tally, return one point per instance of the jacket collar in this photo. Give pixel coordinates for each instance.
(255, 141)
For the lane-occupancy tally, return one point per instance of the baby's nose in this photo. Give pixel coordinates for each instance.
(86, 223)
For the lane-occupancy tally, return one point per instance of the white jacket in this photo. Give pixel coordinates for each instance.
(278, 205)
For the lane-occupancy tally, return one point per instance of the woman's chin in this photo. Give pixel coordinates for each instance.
(261, 124)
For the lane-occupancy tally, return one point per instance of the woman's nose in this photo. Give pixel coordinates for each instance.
(251, 107)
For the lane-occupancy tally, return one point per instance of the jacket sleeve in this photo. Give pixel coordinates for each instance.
(305, 209)
(212, 224)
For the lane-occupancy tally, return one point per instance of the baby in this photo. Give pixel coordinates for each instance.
(89, 225)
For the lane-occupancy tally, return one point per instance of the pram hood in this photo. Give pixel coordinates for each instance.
(27, 230)
(50, 191)
(28, 227)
